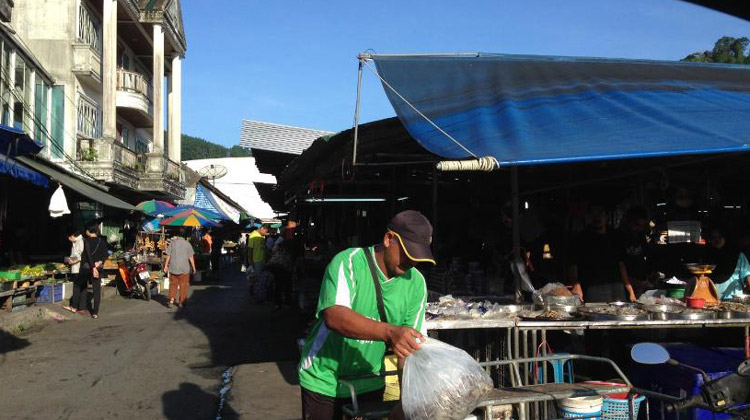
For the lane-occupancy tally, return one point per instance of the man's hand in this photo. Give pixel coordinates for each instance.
(403, 340)
(631, 297)
(578, 291)
(353, 325)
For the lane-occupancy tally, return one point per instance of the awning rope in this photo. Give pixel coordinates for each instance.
(485, 164)
(388, 85)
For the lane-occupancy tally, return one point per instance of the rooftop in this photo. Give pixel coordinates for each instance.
(277, 137)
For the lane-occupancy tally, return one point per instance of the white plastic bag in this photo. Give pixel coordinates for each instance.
(442, 382)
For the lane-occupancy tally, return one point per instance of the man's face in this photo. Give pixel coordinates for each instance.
(396, 261)
(717, 239)
(638, 225)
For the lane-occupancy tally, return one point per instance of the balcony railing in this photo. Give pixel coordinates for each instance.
(172, 170)
(130, 81)
(89, 119)
(89, 28)
(126, 158)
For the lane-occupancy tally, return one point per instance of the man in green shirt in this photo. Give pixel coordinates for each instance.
(350, 336)
(256, 249)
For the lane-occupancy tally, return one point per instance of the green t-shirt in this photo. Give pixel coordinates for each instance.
(256, 247)
(347, 282)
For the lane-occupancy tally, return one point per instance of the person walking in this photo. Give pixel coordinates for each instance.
(180, 261)
(256, 249)
(94, 254)
(371, 298)
(77, 304)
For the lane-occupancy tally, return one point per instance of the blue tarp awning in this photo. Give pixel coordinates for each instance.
(539, 109)
(204, 199)
(15, 142)
(20, 171)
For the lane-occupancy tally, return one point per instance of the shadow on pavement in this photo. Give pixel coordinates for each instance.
(9, 342)
(289, 372)
(191, 402)
(239, 332)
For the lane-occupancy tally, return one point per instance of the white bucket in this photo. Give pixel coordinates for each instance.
(581, 406)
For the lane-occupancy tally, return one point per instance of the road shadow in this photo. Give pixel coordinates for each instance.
(189, 401)
(238, 330)
(9, 342)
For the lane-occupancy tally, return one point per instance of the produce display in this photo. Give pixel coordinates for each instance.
(614, 310)
(32, 272)
(449, 307)
(548, 315)
(732, 307)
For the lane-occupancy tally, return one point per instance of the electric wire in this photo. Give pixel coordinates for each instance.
(28, 111)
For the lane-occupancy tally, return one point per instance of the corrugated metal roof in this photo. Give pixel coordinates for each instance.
(277, 137)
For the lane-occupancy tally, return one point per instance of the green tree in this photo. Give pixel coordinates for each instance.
(726, 50)
(198, 148)
(239, 151)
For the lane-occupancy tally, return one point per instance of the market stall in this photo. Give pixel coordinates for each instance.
(22, 286)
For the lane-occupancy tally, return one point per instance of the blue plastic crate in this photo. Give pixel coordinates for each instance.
(50, 293)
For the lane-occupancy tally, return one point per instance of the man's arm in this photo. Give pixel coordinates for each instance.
(626, 281)
(573, 277)
(353, 325)
(166, 264)
(192, 263)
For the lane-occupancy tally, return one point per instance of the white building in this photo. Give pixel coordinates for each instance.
(109, 60)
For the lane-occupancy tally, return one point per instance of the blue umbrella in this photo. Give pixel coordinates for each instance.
(152, 226)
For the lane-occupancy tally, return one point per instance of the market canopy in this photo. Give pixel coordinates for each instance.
(206, 199)
(89, 191)
(19, 171)
(539, 109)
(15, 142)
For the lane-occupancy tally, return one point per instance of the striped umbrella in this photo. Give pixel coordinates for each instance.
(181, 208)
(190, 218)
(154, 207)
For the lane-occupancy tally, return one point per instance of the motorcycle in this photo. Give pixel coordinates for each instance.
(135, 277)
(728, 394)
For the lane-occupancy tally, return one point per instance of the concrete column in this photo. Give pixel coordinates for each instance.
(175, 110)
(109, 69)
(158, 88)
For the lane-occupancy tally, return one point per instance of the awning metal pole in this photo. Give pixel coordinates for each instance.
(356, 112)
(516, 203)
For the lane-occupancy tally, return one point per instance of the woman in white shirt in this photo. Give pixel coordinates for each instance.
(77, 300)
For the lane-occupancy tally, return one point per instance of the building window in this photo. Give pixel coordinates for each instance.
(141, 145)
(6, 70)
(89, 28)
(20, 84)
(41, 107)
(89, 118)
(58, 120)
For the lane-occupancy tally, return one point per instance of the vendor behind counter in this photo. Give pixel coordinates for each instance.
(596, 269)
(732, 273)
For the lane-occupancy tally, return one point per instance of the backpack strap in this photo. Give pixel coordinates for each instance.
(376, 282)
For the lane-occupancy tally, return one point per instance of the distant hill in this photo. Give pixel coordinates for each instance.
(198, 148)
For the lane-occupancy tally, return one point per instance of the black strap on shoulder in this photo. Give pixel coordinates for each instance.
(378, 291)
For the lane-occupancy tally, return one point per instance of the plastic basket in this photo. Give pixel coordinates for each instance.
(616, 408)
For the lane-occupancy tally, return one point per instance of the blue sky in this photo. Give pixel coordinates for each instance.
(294, 62)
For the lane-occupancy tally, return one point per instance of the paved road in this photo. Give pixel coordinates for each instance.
(142, 360)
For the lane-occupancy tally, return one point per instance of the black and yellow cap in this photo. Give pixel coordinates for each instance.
(414, 233)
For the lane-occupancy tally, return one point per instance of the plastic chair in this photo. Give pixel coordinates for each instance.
(562, 370)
